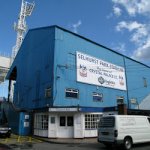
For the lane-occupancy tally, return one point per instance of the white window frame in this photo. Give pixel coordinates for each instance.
(71, 90)
(91, 121)
(66, 119)
(120, 100)
(99, 95)
(41, 121)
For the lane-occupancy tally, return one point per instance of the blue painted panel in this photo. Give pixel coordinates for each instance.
(66, 45)
(34, 64)
(48, 58)
(24, 124)
(90, 109)
(136, 72)
(97, 109)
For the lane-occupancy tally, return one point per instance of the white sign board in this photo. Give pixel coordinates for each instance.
(98, 72)
(26, 124)
(63, 109)
(26, 117)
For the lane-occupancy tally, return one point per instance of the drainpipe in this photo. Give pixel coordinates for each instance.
(128, 101)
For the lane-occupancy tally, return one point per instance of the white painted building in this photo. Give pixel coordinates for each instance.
(66, 122)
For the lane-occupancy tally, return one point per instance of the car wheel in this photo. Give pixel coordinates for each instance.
(127, 143)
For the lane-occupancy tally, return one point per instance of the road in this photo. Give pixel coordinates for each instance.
(30, 143)
(52, 146)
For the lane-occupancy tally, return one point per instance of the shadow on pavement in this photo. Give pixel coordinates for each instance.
(4, 147)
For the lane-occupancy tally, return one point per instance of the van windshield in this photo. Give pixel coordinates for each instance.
(107, 122)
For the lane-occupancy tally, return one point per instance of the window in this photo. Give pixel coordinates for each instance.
(107, 122)
(52, 120)
(69, 121)
(62, 121)
(72, 93)
(97, 97)
(145, 82)
(66, 121)
(91, 121)
(120, 99)
(48, 92)
(44, 121)
(41, 121)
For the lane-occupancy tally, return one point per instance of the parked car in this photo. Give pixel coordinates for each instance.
(5, 130)
(124, 129)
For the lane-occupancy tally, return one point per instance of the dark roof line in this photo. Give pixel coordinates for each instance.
(56, 26)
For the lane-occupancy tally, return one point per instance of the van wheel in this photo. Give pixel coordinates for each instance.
(127, 143)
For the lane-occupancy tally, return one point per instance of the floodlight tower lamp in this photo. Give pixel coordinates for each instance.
(21, 26)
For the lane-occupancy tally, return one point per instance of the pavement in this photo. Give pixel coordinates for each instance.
(15, 139)
(36, 139)
(67, 140)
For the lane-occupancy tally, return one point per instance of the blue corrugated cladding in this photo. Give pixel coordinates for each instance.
(47, 58)
(34, 63)
(66, 45)
(136, 73)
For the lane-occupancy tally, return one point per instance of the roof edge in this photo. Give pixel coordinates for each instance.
(61, 28)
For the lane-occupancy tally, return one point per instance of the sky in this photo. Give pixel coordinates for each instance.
(121, 25)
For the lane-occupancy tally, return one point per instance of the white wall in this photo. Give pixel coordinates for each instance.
(56, 131)
(43, 133)
(90, 133)
(79, 125)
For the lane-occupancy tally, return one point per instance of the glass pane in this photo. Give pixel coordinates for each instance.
(97, 97)
(62, 121)
(70, 121)
(72, 93)
(107, 122)
(52, 120)
(91, 121)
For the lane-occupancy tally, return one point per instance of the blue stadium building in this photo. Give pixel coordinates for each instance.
(66, 82)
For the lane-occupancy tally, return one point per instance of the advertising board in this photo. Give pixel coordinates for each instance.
(98, 72)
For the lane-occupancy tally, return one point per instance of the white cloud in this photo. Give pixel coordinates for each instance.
(134, 7)
(139, 35)
(76, 26)
(139, 32)
(117, 11)
(143, 52)
(128, 25)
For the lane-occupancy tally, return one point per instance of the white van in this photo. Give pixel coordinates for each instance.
(124, 129)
